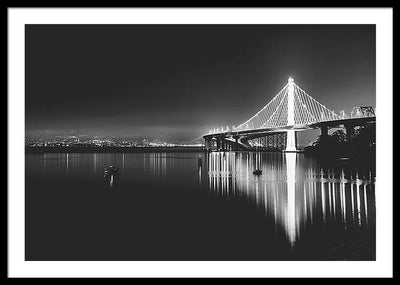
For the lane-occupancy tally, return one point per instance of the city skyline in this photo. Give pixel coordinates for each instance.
(183, 80)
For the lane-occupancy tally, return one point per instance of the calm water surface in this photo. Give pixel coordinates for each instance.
(198, 206)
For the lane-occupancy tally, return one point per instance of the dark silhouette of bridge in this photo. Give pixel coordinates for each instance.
(275, 126)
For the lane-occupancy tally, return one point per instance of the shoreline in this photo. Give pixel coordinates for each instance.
(60, 149)
(39, 150)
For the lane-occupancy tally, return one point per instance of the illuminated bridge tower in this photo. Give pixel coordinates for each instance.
(290, 110)
(291, 134)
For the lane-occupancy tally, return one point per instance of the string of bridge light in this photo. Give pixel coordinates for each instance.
(318, 107)
(274, 114)
(271, 105)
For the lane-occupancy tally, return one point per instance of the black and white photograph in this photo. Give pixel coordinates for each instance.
(184, 141)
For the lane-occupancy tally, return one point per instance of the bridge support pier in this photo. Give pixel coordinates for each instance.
(218, 144)
(208, 144)
(291, 139)
(236, 146)
(221, 144)
(324, 133)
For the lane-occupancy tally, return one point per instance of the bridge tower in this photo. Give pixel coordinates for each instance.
(291, 134)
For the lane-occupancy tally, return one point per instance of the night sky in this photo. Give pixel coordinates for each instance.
(182, 80)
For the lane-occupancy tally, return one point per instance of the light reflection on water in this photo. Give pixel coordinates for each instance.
(293, 191)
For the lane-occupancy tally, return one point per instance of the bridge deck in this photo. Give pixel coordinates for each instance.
(299, 127)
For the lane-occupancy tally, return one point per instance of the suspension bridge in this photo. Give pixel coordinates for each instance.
(276, 125)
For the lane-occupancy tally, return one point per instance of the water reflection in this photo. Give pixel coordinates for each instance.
(297, 209)
(152, 167)
(294, 191)
(199, 167)
(111, 179)
(158, 163)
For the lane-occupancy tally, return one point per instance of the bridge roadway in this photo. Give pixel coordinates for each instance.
(240, 138)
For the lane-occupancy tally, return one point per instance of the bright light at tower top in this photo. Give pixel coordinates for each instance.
(290, 80)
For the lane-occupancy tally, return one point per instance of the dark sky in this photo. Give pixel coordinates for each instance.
(182, 80)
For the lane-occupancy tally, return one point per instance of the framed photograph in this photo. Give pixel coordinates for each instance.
(200, 142)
